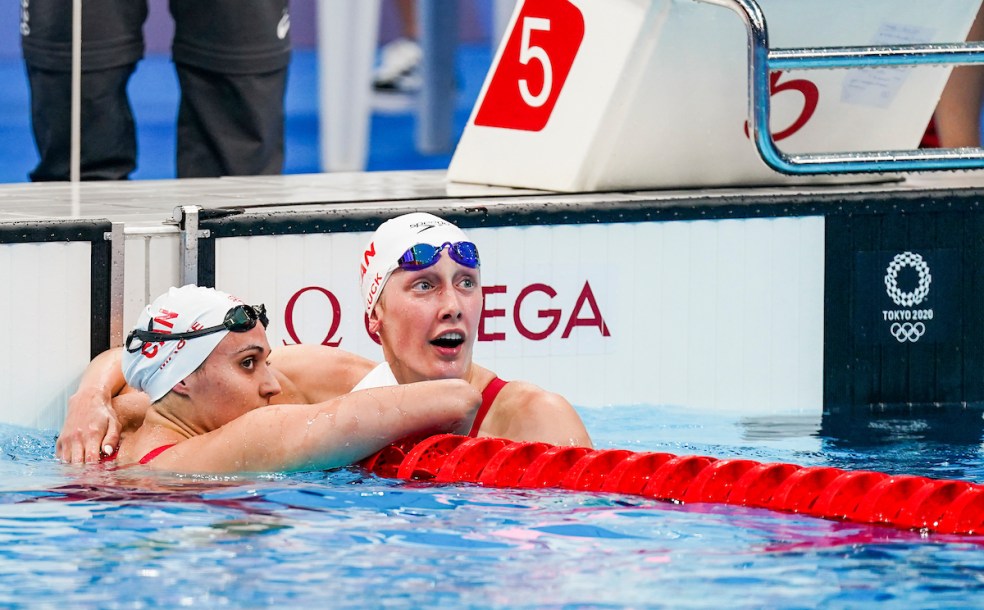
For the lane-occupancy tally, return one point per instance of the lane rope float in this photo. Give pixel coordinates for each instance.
(903, 501)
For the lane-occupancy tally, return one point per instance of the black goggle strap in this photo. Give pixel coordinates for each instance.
(239, 319)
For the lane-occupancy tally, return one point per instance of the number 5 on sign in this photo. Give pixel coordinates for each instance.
(527, 53)
(811, 97)
(534, 66)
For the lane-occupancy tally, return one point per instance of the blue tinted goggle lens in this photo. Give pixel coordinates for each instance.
(423, 256)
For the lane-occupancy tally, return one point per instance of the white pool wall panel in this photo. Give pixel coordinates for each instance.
(45, 313)
(723, 315)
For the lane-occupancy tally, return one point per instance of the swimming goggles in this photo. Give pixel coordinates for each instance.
(423, 256)
(239, 319)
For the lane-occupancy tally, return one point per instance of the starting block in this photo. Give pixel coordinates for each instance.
(594, 95)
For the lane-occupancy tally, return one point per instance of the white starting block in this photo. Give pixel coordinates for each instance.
(590, 95)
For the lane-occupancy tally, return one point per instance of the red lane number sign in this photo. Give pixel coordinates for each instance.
(533, 67)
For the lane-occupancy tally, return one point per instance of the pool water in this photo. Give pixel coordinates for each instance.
(89, 537)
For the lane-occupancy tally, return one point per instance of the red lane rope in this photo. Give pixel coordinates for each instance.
(908, 502)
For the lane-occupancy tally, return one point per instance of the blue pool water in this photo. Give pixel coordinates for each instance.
(87, 537)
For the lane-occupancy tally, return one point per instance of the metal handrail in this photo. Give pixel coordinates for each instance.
(762, 60)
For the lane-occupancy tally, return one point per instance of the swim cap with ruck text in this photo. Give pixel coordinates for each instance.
(391, 240)
(158, 366)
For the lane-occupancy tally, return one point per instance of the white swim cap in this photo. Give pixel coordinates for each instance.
(156, 367)
(391, 240)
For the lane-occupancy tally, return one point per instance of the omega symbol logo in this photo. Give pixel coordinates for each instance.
(908, 324)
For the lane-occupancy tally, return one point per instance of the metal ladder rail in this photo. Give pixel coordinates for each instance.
(762, 60)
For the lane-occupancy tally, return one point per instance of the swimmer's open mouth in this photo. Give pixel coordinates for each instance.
(449, 340)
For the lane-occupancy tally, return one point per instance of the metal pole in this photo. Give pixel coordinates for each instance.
(347, 34)
(881, 56)
(187, 217)
(116, 278)
(75, 162)
(762, 60)
(438, 24)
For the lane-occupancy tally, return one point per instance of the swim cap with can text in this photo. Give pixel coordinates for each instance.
(158, 366)
(389, 242)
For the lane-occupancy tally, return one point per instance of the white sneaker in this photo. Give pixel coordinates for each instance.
(399, 67)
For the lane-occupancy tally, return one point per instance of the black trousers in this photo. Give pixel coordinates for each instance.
(231, 58)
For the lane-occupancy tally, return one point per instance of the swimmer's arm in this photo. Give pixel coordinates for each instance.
(92, 420)
(530, 414)
(319, 372)
(339, 432)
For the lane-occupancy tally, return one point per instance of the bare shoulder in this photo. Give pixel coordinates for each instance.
(318, 372)
(524, 411)
(522, 397)
(314, 355)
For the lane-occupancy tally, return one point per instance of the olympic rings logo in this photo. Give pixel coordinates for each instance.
(907, 331)
(907, 299)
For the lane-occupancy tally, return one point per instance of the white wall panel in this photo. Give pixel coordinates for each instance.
(706, 314)
(44, 309)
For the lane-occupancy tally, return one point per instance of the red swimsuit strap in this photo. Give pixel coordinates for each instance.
(488, 397)
(155, 452)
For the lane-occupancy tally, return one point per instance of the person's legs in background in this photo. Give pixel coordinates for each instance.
(958, 114)
(231, 58)
(230, 124)
(399, 63)
(112, 46)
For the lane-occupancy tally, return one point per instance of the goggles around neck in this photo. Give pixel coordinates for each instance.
(239, 319)
(422, 256)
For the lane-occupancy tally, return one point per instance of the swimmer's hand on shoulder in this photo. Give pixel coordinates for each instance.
(90, 425)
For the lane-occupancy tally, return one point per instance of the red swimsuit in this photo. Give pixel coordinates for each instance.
(150, 454)
(488, 397)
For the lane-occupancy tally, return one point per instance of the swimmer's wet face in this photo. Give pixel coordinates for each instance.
(234, 379)
(176, 333)
(422, 291)
(427, 320)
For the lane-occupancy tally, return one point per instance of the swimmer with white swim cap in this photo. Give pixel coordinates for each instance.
(200, 355)
(423, 243)
(159, 351)
(421, 288)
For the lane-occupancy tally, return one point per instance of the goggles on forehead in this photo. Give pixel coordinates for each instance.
(239, 319)
(423, 256)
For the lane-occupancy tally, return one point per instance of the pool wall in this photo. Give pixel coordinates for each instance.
(55, 307)
(828, 300)
(720, 314)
